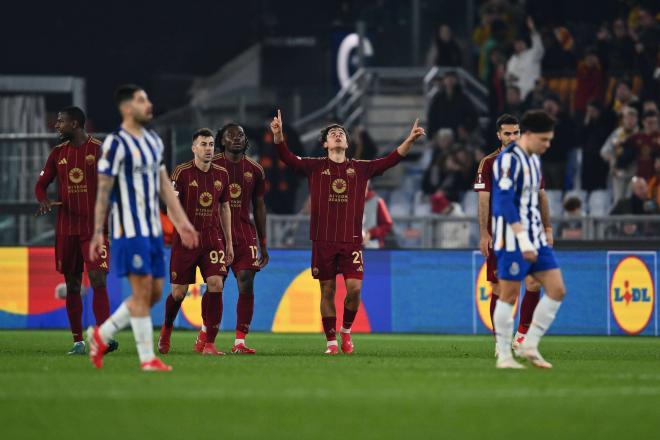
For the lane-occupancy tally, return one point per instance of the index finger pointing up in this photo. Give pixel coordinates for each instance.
(415, 124)
(279, 116)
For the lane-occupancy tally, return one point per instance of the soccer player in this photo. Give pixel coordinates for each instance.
(508, 130)
(521, 244)
(247, 185)
(73, 163)
(337, 187)
(132, 175)
(203, 189)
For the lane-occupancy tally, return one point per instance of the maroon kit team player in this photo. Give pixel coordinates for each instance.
(508, 130)
(73, 164)
(203, 190)
(337, 187)
(247, 185)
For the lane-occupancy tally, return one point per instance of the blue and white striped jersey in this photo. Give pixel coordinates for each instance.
(135, 164)
(516, 184)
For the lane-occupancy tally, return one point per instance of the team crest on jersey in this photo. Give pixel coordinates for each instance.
(205, 199)
(339, 186)
(173, 276)
(235, 190)
(247, 176)
(350, 172)
(514, 269)
(90, 159)
(76, 175)
(137, 261)
(218, 185)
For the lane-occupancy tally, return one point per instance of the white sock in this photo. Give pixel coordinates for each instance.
(143, 332)
(333, 343)
(503, 320)
(118, 321)
(239, 341)
(345, 330)
(545, 313)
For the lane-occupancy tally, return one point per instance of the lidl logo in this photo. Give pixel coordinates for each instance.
(484, 290)
(632, 295)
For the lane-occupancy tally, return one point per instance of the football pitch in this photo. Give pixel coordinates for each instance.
(395, 386)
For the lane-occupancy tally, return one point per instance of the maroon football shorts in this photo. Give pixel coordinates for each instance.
(72, 254)
(246, 256)
(491, 267)
(184, 263)
(330, 259)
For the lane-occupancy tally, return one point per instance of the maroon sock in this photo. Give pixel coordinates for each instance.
(100, 305)
(244, 312)
(493, 303)
(205, 308)
(349, 317)
(172, 307)
(213, 315)
(74, 311)
(329, 327)
(527, 307)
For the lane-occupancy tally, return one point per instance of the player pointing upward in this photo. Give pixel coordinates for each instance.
(337, 191)
(520, 242)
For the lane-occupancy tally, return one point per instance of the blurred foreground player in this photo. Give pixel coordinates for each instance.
(521, 244)
(132, 175)
(247, 185)
(203, 190)
(73, 163)
(337, 187)
(508, 130)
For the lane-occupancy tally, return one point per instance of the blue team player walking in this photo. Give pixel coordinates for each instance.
(520, 242)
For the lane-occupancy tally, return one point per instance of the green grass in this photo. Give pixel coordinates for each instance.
(395, 386)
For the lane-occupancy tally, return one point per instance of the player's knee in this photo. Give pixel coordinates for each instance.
(214, 284)
(97, 279)
(155, 297)
(558, 293)
(179, 294)
(532, 284)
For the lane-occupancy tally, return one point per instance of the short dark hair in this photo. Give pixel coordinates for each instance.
(221, 132)
(537, 121)
(76, 114)
(571, 203)
(202, 132)
(125, 92)
(506, 119)
(324, 132)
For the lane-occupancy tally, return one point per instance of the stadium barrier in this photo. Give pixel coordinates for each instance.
(405, 291)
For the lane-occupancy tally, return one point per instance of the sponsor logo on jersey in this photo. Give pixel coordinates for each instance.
(235, 190)
(193, 183)
(62, 162)
(205, 199)
(632, 295)
(218, 185)
(76, 175)
(90, 159)
(339, 186)
(247, 176)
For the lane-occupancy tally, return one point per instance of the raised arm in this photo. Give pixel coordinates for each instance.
(415, 133)
(283, 152)
(379, 166)
(188, 234)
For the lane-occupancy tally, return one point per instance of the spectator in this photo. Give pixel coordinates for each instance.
(450, 107)
(590, 81)
(613, 148)
(654, 183)
(559, 58)
(592, 134)
(642, 147)
(524, 66)
(514, 104)
(538, 94)
(497, 83)
(376, 221)
(571, 225)
(445, 175)
(496, 40)
(443, 143)
(451, 234)
(445, 51)
(556, 157)
(618, 51)
(623, 96)
(639, 203)
(363, 146)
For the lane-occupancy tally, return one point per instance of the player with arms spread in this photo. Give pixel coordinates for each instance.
(337, 187)
(508, 130)
(73, 163)
(203, 189)
(132, 175)
(521, 244)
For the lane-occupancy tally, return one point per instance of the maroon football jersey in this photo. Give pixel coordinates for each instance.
(201, 194)
(337, 192)
(75, 170)
(247, 180)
